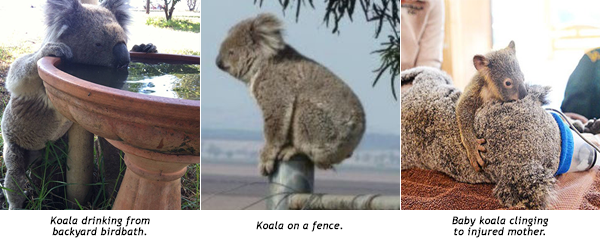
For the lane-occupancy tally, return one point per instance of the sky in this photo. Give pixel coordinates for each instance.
(226, 102)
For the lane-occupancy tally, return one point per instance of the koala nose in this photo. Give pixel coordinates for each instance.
(220, 63)
(522, 91)
(121, 55)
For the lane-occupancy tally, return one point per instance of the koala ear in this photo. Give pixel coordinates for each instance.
(480, 62)
(511, 45)
(119, 8)
(266, 31)
(57, 12)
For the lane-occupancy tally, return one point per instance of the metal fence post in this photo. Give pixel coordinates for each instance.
(294, 176)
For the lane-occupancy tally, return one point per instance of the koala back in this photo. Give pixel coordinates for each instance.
(519, 133)
(523, 149)
(328, 119)
(337, 115)
(428, 129)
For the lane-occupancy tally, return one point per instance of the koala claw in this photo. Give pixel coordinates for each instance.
(266, 167)
(287, 153)
(148, 48)
(475, 158)
(473, 163)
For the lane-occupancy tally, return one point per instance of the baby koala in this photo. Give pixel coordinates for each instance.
(306, 108)
(499, 78)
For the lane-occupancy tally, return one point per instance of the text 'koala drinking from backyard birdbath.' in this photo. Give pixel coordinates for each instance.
(87, 34)
(306, 108)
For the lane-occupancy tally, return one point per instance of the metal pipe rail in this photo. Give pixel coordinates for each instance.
(343, 202)
(291, 187)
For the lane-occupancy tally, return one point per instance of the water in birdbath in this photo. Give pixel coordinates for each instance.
(162, 79)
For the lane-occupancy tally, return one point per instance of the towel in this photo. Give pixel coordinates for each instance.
(427, 189)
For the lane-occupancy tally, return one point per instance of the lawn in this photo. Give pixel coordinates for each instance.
(175, 24)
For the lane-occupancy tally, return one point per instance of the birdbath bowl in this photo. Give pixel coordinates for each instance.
(159, 136)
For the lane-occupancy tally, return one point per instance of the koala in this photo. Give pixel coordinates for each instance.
(306, 108)
(523, 141)
(79, 33)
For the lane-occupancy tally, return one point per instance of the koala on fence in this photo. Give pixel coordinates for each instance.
(523, 141)
(78, 33)
(306, 108)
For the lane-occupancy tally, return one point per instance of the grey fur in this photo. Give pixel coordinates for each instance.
(522, 139)
(306, 108)
(78, 33)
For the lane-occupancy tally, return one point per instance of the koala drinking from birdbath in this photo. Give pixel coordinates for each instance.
(78, 33)
(306, 108)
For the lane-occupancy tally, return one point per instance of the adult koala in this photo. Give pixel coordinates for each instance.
(523, 142)
(78, 33)
(306, 108)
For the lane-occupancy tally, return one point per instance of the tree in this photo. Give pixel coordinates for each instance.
(384, 13)
(191, 4)
(169, 11)
(147, 6)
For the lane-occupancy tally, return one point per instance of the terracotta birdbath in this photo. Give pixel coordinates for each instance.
(160, 136)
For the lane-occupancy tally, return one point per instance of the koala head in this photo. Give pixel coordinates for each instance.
(97, 35)
(249, 42)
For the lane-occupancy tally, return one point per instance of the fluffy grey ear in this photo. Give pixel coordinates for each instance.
(266, 31)
(511, 45)
(119, 8)
(539, 93)
(480, 62)
(544, 96)
(57, 12)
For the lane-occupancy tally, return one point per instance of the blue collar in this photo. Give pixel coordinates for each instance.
(567, 145)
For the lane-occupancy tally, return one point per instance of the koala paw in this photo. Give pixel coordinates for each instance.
(474, 155)
(266, 167)
(579, 126)
(268, 156)
(148, 48)
(592, 126)
(287, 153)
(57, 50)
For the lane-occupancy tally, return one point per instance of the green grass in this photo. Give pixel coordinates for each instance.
(47, 188)
(9, 53)
(181, 52)
(50, 192)
(190, 188)
(175, 23)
